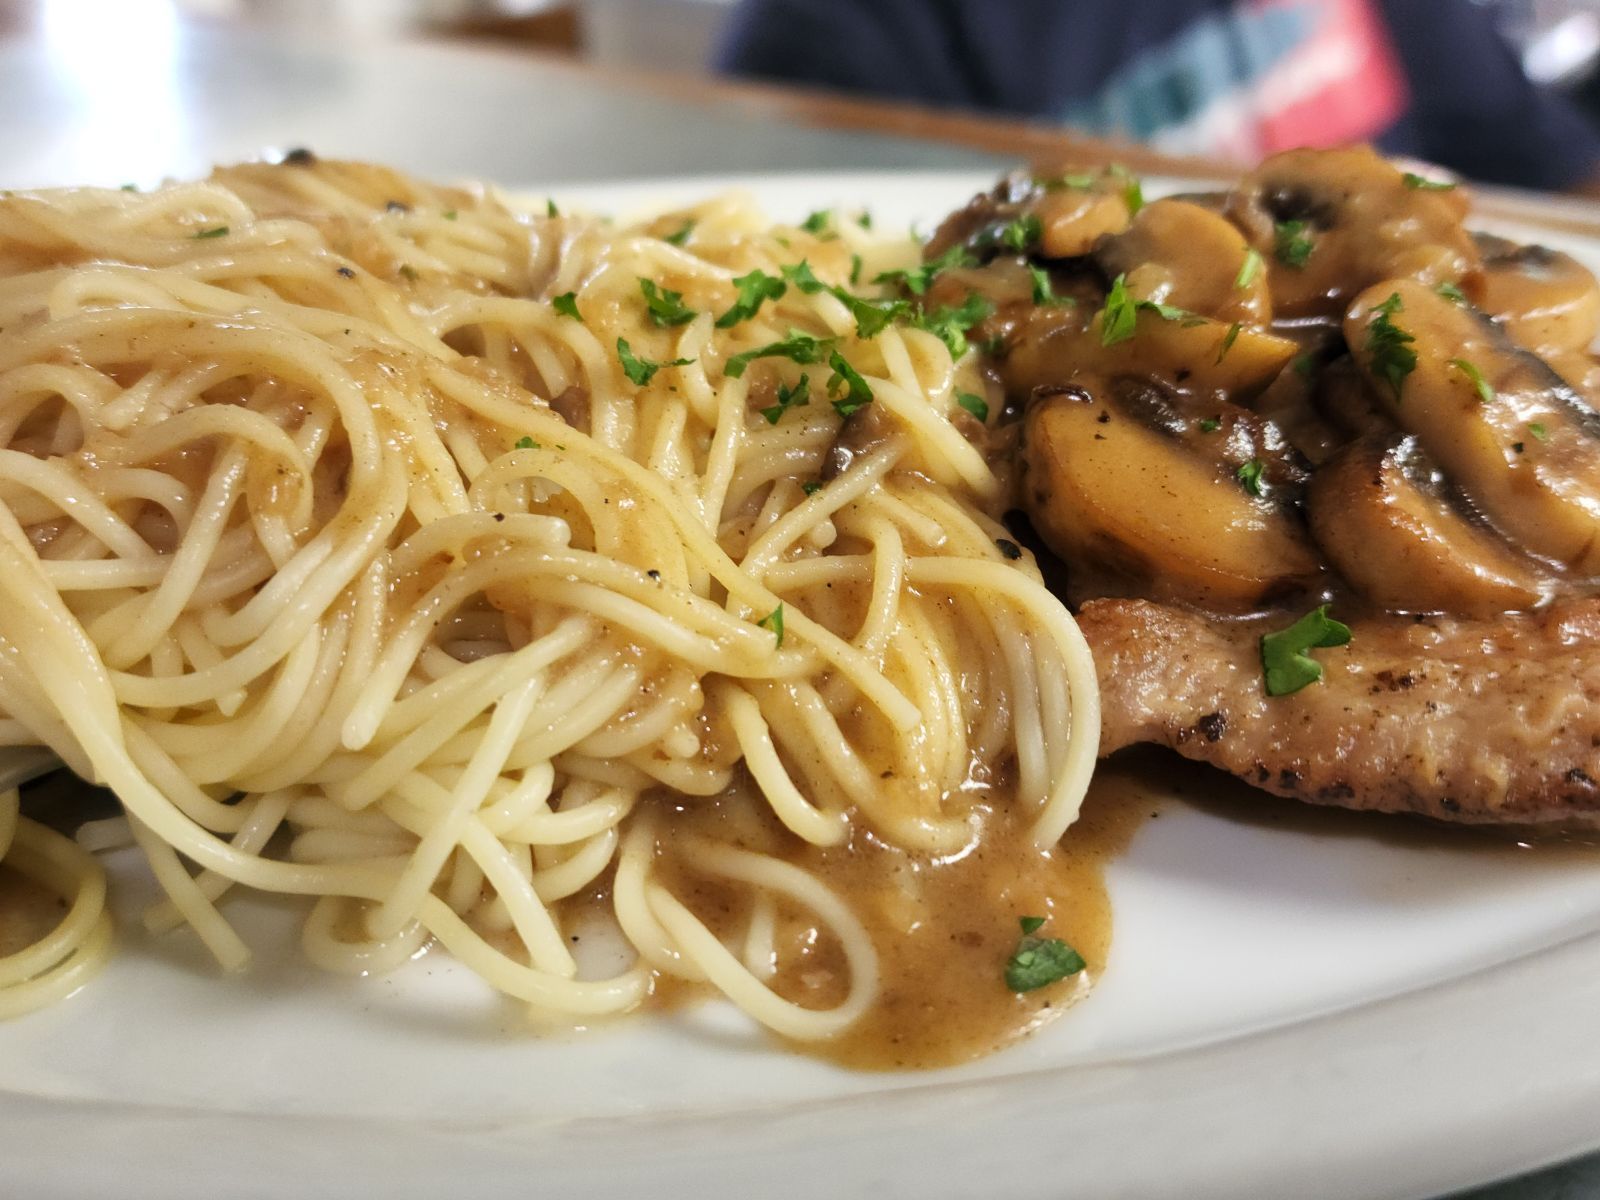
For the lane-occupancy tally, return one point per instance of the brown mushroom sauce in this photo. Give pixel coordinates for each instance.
(1318, 386)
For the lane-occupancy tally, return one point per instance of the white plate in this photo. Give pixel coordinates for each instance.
(1285, 1013)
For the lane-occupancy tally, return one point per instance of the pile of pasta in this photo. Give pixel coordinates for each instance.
(430, 558)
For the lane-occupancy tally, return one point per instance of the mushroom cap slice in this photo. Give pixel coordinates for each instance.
(1523, 446)
(1389, 527)
(1191, 354)
(1548, 301)
(1180, 253)
(1363, 222)
(1130, 507)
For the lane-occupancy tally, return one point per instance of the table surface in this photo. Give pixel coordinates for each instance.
(149, 98)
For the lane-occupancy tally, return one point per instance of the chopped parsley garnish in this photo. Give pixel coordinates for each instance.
(855, 269)
(641, 370)
(872, 316)
(1390, 346)
(1249, 269)
(865, 219)
(682, 236)
(218, 231)
(774, 621)
(917, 279)
(811, 487)
(130, 187)
(950, 325)
(1021, 233)
(1484, 388)
(449, 214)
(550, 209)
(1043, 291)
(801, 275)
(526, 443)
(1539, 432)
(1284, 660)
(1038, 962)
(1210, 424)
(857, 395)
(665, 306)
(1423, 183)
(567, 305)
(818, 221)
(1228, 340)
(976, 405)
(1120, 316)
(798, 347)
(1250, 476)
(754, 289)
(407, 271)
(1132, 189)
(1292, 243)
(1076, 180)
(1451, 293)
(788, 397)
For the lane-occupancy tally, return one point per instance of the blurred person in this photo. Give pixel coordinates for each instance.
(1432, 79)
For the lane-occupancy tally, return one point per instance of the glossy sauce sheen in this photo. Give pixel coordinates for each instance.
(943, 929)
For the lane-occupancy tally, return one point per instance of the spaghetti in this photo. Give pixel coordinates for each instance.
(381, 544)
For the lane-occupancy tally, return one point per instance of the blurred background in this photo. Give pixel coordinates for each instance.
(1503, 91)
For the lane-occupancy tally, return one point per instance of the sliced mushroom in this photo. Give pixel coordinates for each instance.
(1497, 420)
(1387, 524)
(1547, 300)
(1072, 216)
(1361, 224)
(1134, 508)
(1182, 254)
(1202, 357)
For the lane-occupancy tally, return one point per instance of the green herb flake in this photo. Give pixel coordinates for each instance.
(1422, 183)
(449, 214)
(1120, 316)
(1078, 181)
(818, 222)
(1284, 661)
(1482, 386)
(798, 347)
(130, 187)
(865, 219)
(525, 443)
(855, 269)
(641, 370)
(1539, 432)
(788, 397)
(665, 306)
(918, 279)
(1292, 243)
(1021, 233)
(811, 487)
(1228, 340)
(1451, 293)
(216, 232)
(803, 277)
(976, 405)
(1132, 189)
(774, 621)
(872, 316)
(1389, 346)
(857, 395)
(1250, 475)
(1038, 962)
(1043, 290)
(567, 305)
(1250, 268)
(680, 237)
(754, 290)
(950, 325)
(1210, 424)
(407, 271)
(550, 209)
